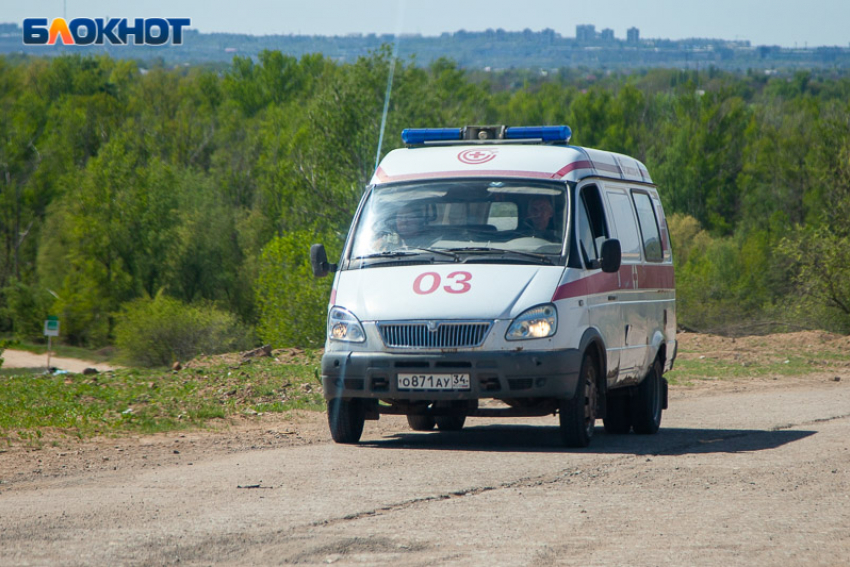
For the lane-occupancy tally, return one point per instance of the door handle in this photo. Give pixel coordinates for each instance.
(612, 298)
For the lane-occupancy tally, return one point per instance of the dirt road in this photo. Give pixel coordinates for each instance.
(756, 474)
(22, 359)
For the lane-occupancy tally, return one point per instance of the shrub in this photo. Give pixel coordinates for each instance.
(159, 331)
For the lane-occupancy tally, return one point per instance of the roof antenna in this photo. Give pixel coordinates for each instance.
(397, 38)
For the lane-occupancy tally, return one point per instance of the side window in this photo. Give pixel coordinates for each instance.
(648, 227)
(665, 230)
(592, 229)
(624, 220)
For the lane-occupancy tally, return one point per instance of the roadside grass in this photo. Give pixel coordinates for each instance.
(20, 371)
(37, 407)
(766, 360)
(689, 370)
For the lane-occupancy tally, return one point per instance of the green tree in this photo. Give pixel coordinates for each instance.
(293, 303)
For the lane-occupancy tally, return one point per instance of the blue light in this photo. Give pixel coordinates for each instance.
(412, 136)
(545, 133)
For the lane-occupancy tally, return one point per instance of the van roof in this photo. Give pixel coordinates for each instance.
(505, 159)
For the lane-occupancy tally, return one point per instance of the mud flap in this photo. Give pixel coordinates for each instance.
(664, 387)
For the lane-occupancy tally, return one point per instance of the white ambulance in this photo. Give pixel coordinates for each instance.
(499, 271)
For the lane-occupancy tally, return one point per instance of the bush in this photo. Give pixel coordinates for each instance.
(159, 331)
(293, 303)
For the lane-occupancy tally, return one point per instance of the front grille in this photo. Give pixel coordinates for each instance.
(445, 334)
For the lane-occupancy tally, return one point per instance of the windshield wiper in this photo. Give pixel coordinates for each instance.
(399, 252)
(489, 250)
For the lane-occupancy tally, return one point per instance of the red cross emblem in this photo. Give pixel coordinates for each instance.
(475, 157)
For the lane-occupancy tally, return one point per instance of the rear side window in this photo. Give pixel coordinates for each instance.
(648, 227)
(624, 221)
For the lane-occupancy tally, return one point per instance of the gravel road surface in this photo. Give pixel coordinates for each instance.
(756, 475)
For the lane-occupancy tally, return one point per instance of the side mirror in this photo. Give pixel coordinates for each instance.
(612, 255)
(319, 261)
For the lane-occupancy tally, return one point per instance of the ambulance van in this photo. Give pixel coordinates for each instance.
(496, 271)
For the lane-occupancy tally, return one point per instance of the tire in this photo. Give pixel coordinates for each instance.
(449, 422)
(617, 420)
(647, 405)
(421, 422)
(578, 415)
(346, 419)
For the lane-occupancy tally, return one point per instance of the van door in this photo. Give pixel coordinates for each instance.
(632, 330)
(650, 309)
(602, 306)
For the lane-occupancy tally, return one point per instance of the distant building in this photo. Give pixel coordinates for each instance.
(585, 33)
(607, 35)
(633, 35)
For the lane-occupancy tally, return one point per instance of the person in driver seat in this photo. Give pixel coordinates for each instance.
(409, 226)
(538, 218)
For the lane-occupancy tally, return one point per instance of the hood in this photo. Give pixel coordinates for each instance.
(445, 291)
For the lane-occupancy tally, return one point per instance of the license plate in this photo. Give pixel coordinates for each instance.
(433, 381)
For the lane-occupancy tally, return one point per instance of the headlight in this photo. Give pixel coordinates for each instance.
(535, 323)
(344, 326)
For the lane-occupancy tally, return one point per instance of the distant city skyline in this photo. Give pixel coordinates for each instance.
(762, 22)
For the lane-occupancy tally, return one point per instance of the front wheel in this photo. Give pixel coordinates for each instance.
(578, 415)
(346, 419)
(646, 406)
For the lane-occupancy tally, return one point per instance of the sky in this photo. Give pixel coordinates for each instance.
(789, 23)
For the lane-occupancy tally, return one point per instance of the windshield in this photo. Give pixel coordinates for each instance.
(444, 219)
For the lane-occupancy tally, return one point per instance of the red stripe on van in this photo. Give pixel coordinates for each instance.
(572, 167)
(382, 175)
(656, 276)
(384, 178)
(649, 277)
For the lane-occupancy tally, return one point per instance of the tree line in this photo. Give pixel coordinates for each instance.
(201, 189)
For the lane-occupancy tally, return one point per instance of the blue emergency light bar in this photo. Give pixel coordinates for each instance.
(545, 133)
(419, 136)
(413, 136)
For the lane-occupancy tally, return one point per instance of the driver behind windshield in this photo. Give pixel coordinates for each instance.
(538, 218)
(408, 229)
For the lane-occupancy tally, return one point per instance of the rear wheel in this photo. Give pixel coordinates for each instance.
(345, 419)
(617, 418)
(421, 422)
(578, 415)
(646, 406)
(449, 422)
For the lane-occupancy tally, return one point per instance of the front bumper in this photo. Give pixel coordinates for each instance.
(500, 375)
